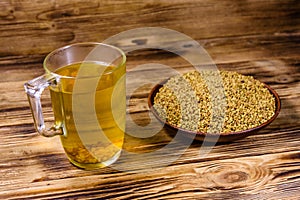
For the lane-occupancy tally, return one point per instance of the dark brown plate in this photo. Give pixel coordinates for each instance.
(228, 137)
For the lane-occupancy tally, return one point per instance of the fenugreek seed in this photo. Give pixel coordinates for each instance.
(248, 102)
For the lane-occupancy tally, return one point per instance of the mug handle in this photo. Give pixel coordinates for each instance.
(34, 89)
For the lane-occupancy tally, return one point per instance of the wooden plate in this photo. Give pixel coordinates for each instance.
(200, 136)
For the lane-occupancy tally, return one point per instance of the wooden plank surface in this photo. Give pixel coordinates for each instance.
(258, 38)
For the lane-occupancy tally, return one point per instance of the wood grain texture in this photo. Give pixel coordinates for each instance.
(258, 38)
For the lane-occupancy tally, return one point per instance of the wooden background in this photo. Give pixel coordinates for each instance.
(253, 37)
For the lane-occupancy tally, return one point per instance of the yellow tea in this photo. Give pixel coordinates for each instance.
(110, 108)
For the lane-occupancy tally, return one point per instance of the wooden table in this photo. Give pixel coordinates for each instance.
(258, 38)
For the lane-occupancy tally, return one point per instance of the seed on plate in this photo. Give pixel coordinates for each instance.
(185, 101)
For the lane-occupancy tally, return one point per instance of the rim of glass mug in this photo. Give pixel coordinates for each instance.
(64, 48)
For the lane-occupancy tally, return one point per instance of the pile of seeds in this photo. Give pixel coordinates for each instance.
(214, 100)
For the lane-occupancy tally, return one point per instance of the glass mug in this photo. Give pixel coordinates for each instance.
(87, 89)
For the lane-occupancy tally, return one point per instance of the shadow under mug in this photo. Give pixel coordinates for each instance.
(87, 88)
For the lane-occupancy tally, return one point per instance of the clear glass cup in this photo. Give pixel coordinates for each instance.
(87, 88)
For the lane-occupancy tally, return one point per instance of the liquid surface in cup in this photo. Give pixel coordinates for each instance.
(88, 147)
